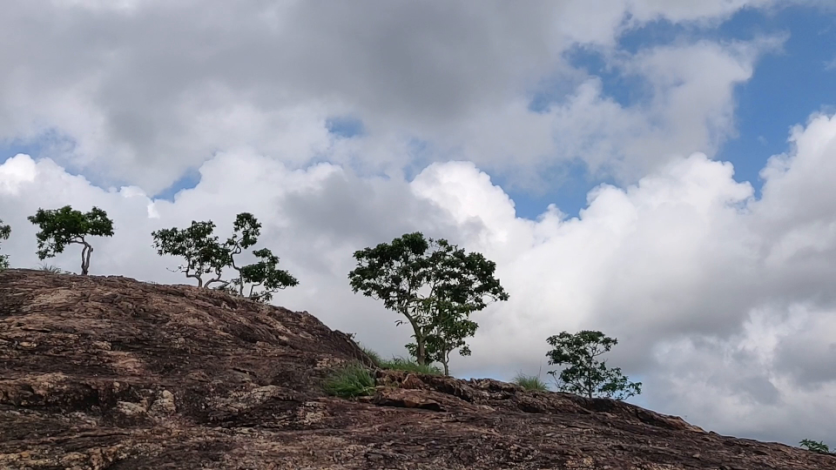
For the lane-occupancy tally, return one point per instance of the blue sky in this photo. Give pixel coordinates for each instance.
(785, 88)
(709, 303)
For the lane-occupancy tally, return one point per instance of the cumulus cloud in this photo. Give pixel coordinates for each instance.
(129, 92)
(722, 302)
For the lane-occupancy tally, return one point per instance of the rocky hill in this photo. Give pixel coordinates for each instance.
(111, 373)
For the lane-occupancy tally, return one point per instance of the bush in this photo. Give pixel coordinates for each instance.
(530, 382)
(399, 363)
(819, 447)
(352, 380)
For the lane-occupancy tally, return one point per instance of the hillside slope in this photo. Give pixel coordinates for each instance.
(112, 373)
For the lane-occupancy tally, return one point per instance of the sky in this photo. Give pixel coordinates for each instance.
(659, 170)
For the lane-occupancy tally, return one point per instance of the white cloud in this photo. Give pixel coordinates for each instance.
(137, 96)
(723, 304)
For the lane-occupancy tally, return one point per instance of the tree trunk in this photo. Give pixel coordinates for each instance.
(85, 258)
(421, 350)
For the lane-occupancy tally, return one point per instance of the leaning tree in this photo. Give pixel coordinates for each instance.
(66, 226)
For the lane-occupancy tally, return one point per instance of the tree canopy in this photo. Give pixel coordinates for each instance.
(5, 231)
(66, 226)
(585, 375)
(205, 254)
(435, 285)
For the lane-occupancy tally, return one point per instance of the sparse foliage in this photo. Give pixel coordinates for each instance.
(201, 250)
(434, 285)
(814, 446)
(5, 231)
(52, 269)
(65, 226)
(204, 255)
(585, 375)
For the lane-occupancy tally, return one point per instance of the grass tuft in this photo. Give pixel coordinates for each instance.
(373, 355)
(399, 363)
(352, 380)
(52, 269)
(530, 382)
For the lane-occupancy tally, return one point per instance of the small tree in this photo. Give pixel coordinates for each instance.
(433, 284)
(449, 332)
(585, 375)
(201, 250)
(5, 231)
(65, 226)
(205, 254)
(264, 273)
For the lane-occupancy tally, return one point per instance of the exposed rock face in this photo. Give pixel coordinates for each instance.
(111, 373)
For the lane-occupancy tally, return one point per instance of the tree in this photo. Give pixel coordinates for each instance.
(433, 284)
(263, 273)
(449, 332)
(585, 375)
(5, 231)
(205, 254)
(201, 250)
(66, 226)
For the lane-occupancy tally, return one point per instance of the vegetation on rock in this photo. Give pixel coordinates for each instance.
(434, 285)
(66, 226)
(814, 446)
(5, 231)
(585, 375)
(204, 254)
(399, 363)
(351, 380)
(530, 382)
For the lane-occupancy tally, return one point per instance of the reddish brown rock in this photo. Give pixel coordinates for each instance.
(111, 373)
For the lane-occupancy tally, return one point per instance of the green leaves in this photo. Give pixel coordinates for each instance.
(205, 254)
(434, 285)
(5, 231)
(266, 274)
(65, 226)
(585, 375)
(813, 446)
(201, 250)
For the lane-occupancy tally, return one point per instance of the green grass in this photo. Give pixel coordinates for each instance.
(52, 269)
(352, 380)
(399, 363)
(373, 355)
(530, 383)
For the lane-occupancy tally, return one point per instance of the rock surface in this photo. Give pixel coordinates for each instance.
(111, 373)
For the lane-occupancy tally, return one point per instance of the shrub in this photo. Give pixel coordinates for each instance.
(530, 382)
(819, 447)
(352, 380)
(399, 363)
